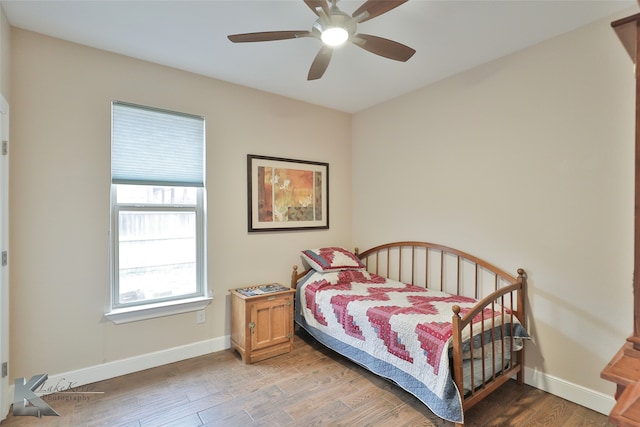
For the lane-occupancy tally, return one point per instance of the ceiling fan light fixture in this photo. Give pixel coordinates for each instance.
(334, 36)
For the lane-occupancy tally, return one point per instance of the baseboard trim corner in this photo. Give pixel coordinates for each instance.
(583, 396)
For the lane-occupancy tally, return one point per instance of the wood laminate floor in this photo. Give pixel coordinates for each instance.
(311, 386)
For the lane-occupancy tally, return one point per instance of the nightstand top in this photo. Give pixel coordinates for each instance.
(261, 290)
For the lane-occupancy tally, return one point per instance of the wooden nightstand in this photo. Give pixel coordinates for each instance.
(261, 323)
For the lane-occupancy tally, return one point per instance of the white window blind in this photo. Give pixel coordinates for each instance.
(156, 147)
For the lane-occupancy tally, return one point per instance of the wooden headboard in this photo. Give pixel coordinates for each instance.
(433, 266)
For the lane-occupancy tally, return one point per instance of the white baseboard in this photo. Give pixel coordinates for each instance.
(92, 374)
(583, 396)
(588, 398)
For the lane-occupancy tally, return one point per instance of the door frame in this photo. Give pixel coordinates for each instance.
(5, 399)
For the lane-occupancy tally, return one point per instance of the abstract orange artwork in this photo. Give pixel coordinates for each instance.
(287, 194)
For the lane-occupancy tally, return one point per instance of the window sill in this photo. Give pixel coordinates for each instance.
(150, 311)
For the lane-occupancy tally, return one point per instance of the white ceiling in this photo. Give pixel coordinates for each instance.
(449, 36)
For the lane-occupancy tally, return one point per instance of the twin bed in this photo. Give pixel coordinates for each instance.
(442, 324)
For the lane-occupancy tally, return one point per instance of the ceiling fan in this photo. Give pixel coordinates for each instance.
(334, 27)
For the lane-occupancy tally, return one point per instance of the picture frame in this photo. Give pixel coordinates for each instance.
(287, 194)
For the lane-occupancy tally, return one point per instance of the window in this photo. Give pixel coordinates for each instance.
(157, 210)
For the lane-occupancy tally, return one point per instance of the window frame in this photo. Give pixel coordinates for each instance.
(154, 207)
(139, 310)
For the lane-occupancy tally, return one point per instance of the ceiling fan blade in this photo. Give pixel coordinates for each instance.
(315, 4)
(320, 63)
(384, 47)
(267, 36)
(372, 8)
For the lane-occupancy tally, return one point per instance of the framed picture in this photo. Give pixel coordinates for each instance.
(287, 194)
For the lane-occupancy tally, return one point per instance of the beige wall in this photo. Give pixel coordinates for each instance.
(527, 162)
(60, 172)
(5, 52)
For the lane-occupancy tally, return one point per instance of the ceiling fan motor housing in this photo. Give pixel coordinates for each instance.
(337, 19)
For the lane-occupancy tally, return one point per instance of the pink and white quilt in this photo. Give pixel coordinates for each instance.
(398, 331)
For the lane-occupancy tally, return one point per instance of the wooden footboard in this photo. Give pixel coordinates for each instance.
(495, 368)
(501, 305)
